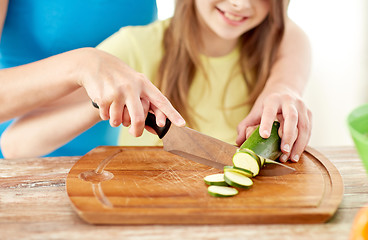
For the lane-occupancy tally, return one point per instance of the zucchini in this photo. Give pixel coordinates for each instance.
(268, 148)
(221, 191)
(253, 154)
(246, 161)
(215, 179)
(245, 172)
(237, 180)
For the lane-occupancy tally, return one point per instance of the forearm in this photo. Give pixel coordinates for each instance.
(281, 97)
(292, 67)
(3, 11)
(30, 86)
(105, 79)
(44, 130)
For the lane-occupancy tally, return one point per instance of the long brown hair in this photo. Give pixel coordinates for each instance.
(177, 69)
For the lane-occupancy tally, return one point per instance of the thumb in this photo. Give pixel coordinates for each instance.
(249, 121)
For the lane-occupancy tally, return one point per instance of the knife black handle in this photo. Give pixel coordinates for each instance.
(151, 122)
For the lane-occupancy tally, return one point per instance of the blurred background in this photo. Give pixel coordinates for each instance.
(338, 32)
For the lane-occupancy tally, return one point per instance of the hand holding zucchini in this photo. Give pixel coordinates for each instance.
(256, 151)
(252, 155)
(268, 148)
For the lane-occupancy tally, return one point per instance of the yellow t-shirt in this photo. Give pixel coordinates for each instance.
(216, 100)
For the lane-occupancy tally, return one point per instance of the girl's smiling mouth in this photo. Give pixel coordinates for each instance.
(231, 18)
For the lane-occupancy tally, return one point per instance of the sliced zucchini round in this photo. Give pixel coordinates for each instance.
(254, 155)
(245, 172)
(215, 179)
(246, 161)
(258, 158)
(263, 161)
(238, 180)
(221, 191)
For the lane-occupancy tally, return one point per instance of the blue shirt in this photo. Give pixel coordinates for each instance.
(37, 29)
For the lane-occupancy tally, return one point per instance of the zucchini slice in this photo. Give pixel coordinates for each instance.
(215, 179)
(246, 161)
(221, 191)
(258, 158)
(263, 161)
(250, 152)
(245, 172)
(238, 180)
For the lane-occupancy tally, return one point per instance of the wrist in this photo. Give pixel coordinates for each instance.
(83, 61)
(296, 80)
(288, 84)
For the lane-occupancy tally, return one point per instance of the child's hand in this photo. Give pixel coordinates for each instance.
(294, 117)
(123, 94)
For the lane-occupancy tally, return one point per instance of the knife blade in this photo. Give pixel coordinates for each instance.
(198, 147)
(274, 168)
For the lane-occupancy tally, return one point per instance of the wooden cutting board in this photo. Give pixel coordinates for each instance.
(146, 185)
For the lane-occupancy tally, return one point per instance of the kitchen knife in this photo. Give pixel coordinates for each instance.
(204, 149)
(198, 147)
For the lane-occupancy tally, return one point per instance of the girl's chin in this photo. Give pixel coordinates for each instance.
(229, 36)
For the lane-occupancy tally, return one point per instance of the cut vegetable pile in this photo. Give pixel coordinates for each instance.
(247, 161)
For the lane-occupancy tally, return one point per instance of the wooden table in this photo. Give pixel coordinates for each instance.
(34, 205)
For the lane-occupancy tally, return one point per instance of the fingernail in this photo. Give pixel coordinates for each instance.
(132, 132)
(104, 117)
(180, 122)
(113, 123)
(161, 123)
(265, 134)
(296, 158)
(286, 148)
(283, 158)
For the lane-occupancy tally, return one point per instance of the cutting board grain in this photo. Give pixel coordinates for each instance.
(146, 185)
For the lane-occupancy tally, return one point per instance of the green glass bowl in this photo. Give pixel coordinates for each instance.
(358, 126)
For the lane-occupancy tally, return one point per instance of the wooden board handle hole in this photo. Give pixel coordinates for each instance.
(94, 177)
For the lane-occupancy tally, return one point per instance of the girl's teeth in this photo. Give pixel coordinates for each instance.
(232, 17)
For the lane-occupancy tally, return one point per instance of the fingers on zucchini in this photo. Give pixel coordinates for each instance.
(266, 147)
